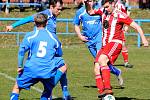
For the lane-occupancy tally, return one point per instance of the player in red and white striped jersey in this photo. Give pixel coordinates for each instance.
(113, 22)
(123, 5)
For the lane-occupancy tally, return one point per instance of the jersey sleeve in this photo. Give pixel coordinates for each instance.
(23, 21)
(24, 47)
(77, 19)
(59, 51)
(124, 18)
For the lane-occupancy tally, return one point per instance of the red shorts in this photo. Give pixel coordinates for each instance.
(111, 49)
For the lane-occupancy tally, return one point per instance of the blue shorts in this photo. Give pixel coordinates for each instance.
(94, 48)
(94, 44)
(28, 79)
(25, 82)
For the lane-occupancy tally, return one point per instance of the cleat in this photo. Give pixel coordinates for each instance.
(67, 98)
(104, 93)
(127, 65)
(120, 79)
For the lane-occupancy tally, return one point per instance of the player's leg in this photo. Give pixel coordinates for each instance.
(125, 56)
(105, 72)
(98, 78)
(114, 70)
(125, 50)
(61, 76)
(48, 87)
(22, 82)
(15, 92)
(64, 86)
(103, 58)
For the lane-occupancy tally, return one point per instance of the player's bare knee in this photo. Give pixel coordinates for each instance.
(63, 68)
(96, 68)
(103, 60)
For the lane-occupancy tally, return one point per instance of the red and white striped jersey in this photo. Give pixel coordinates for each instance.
(120, 6)
(113, 24)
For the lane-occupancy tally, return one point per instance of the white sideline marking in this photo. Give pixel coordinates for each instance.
(13, 79)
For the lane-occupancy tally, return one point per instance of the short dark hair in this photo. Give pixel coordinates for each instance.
(40, 19)
(104, 1)
(54, 2)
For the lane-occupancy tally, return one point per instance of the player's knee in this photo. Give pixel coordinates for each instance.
(96, 68)
(63, 68)
(103, 60)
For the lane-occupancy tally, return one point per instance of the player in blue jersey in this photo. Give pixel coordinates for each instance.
(41, 64)
(52, 13)
(91, 29)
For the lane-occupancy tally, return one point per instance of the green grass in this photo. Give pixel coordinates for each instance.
(80, 63)
(81, 76)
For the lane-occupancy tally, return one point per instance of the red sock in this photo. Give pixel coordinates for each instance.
(106, 76)
(125, 55)
(99, 83)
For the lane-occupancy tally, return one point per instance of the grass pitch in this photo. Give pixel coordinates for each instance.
(81, 76)
(80, 63)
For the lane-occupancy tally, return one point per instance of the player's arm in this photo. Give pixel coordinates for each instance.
(76, 21)
(79, 34)
(140, 31)
(24, 47)
(20, 22)
(59, 51)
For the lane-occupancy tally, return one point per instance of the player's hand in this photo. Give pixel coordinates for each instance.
(83, 38)
(145, 44)
(9, 28)
(20, 70)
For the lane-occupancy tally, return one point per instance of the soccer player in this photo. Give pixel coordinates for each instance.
(113, 22)
(54, 10)
(92, 34)
(123, 5)
(41, 64)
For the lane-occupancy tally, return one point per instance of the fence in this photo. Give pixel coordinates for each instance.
(67, 21)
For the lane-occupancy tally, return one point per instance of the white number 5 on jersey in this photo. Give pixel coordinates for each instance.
(42, 49)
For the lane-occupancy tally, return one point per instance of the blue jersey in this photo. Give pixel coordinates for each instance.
(42, 47)
(91, 28)
(91, 25)
(51, 25)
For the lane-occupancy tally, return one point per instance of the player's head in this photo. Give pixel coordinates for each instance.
(55, 6)
(88, 1)
(108, 5)
(40, 20)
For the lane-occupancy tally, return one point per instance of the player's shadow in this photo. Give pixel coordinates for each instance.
(113, 87)
(118, 64)
(128, 98)
(91, 86)
(118, 87)
(72, 98)
(59, 98)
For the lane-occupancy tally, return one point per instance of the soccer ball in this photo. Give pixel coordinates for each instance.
(108, 97)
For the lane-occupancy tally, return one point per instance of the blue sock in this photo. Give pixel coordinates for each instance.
(63, 82)
(114, 70)
(14, 96)
(43, 98)
(47, 92)
(57, 76)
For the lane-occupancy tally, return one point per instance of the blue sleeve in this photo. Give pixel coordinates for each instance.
(76, 19)
(59, 51)
(24, 47)
(23, 21)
